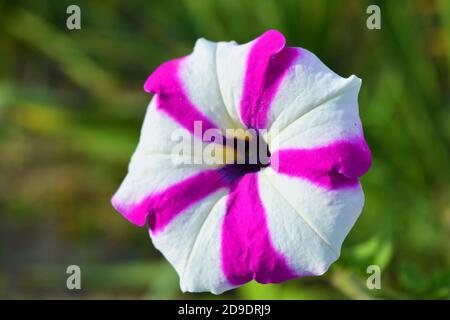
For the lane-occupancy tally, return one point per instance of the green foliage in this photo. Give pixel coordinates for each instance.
(71, 105)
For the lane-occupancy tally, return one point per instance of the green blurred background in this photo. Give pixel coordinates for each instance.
(72, 103)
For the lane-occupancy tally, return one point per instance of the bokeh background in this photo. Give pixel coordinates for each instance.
(72, 103)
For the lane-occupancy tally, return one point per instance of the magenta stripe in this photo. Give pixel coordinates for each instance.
(247, 250)
(162, 207)
(334, 166)
(267, 64)
(172, 98)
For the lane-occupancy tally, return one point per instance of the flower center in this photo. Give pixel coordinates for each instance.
(254, 151)
(252, 154)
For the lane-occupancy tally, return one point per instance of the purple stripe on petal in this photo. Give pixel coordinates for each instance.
(247, 250)
(267, 64)
(334, 166)
(162, 207)
(172, 98)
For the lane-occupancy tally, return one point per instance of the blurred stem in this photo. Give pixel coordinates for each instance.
(348, 285)
(354, 287)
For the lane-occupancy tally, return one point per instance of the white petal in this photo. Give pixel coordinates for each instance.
(153, 166)
(192, 242)
(231, 68)
(307, 223)
(334, 119)
(307, 85)
(199, 77)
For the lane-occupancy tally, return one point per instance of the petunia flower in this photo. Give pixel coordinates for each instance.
(221, 226)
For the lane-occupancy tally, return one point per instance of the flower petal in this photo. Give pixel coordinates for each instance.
(333, 166)
(325, 145)
(191, 243)
(250, 74)
(188, 90)
(308, 223)
(247, 249)
(334, 119)
(307, 84)
(153, 173)
(199, 76)
(267, 63)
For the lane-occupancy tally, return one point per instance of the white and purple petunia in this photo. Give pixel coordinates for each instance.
(221, 226)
